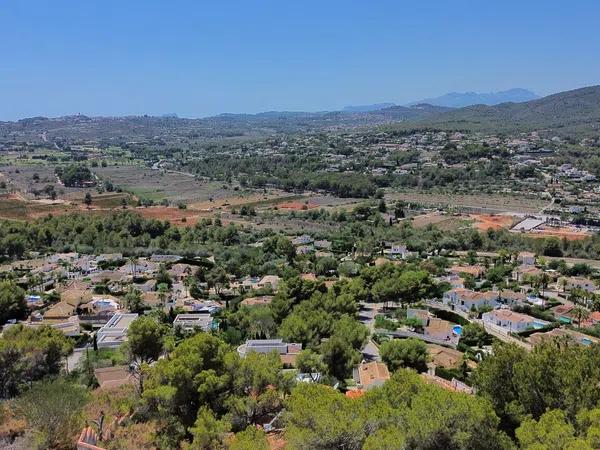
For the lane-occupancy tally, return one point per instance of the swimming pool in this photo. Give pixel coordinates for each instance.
(457, 329)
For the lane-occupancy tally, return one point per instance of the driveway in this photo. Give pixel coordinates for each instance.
(366, 316)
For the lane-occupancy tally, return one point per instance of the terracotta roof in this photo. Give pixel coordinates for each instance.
(76, 296)
(507, 314)
(444, 357)
(441, 325)
(472, 270)
(474, 295)
(60, 309)
(355, 393)
(372, 372)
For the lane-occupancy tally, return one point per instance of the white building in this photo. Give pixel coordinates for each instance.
(114, 333)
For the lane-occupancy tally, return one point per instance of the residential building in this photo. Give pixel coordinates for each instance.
(396, 251)
(371, 374)
(420, 314)
(563, 333)
(441, 330)
(58, 311)
(323, 244)
(511, 321)
(468, 300)
(305, 239)
(475, 271)
(114, 333)
(526, 258)
(269, 280)
(581, 283)
(526, 273)
(194, 322)
(287, 352)
(508, 297)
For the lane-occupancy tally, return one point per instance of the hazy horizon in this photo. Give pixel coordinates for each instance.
(199, 60)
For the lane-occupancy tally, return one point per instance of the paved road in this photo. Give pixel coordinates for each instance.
(367, 314)
(75, 358)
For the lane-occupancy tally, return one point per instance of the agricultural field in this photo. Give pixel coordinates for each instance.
(491, 202)
(444, 222)
(157, 185)
(484, 222)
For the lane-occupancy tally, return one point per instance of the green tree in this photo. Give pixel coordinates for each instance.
(209, 432)
(320, 418)
(87, 199)
(145, 340)
(581, 314)
(12, 302)
(195, 374)
(552, 431)
(410, 353)
(494, 377)
(30, 354)
(133, 300)
(251, 438)
(339, 357)
(474, 334)
(53, 411)
(311, 363)
(254, 392)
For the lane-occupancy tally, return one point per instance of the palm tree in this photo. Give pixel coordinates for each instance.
(162, 293)
(563, 282)
(544, 280)
(574, 296)
(580, 313)
(132, 262)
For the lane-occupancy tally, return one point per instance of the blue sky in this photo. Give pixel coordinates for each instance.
(198, 58)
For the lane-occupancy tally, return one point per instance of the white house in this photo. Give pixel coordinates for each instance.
(581, 283)
(269, 280)
(191, 322)
(396, 251)
(467, 300)
(114, 333)
(526, 258)
(512, 321)
(305, 239)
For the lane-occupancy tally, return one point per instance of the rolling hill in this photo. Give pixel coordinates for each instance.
(570, 112)
(576, 111)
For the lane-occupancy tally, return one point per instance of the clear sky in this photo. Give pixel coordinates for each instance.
(198, 58)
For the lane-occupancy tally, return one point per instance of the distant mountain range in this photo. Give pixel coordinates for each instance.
(458, 100)
(462, 99)
(368, 108)
(570, 112)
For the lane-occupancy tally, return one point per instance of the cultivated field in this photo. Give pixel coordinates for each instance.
(442, 221)
(484, 222)
(490, 202)
(158, 185)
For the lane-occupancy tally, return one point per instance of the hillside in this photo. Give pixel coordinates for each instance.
(571, 112)
(132, 128)
(576, 111)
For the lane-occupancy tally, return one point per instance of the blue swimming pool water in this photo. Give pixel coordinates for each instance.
(457, 330)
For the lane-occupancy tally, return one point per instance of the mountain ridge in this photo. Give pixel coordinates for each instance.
(463, 99)
(577, 110)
